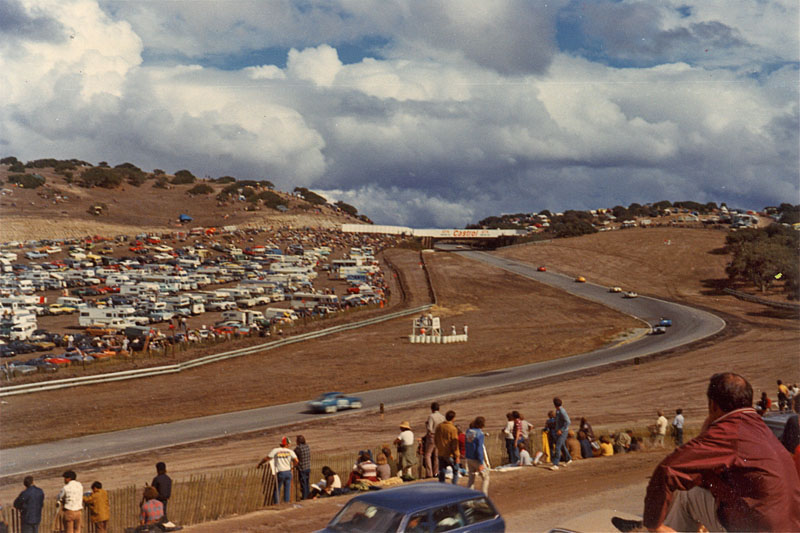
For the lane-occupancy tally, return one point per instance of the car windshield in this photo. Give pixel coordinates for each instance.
(359, 516)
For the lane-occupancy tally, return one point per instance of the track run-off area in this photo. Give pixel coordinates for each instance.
(689, 325)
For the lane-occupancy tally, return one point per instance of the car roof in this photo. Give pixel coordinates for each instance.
(418, 496)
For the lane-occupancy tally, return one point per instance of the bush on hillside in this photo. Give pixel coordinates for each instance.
(161, 183)
(226, 179)
(200, 188)
(347, 208)
(158, 172)
(100, 177)
(310, 196)
(16, 166)
(27, 181)
(10, 160)
(270, 199)
(183, 177)
(764, 257)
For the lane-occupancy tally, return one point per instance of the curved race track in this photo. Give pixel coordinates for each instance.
(689, 325)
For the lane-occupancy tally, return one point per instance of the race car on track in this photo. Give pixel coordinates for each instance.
(630, 294)
(330, 402)
(542, 269)
(664, 322)
(580, 279)
(615, 289)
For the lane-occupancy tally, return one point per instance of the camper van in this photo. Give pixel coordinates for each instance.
(108, 315)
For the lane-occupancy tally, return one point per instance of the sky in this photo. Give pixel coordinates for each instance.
(422, 113)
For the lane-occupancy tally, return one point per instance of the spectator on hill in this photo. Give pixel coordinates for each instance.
(734, 476)
(573, 446)
(586, 427)
(677, 427)
(525, 458)
(152, 510)
(561, 428)
(329, 485)
(763, 405)
(586, 446)
(384, 471)
(363, 469)
(285, 460)
(163, 484)
(447, 446)
(430, 460)
(475, 454)
(783, 396)
(636, 443)
(71, 500)
(99, 507)
(525, 431)
(29, 504)
(622, 442)
(659, 429)
(406, 451)
(606, 448)
(508, 434)
(550, 427)
(303, 453)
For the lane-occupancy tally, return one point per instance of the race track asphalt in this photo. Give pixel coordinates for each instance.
(689, 325)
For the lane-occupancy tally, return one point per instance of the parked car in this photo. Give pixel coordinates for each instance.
(5, 351)
(330, 402)
(419, 507)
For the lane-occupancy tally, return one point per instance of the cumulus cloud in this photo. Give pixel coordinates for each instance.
(470, 109)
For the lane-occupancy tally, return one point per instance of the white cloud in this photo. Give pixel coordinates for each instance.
(464, 117)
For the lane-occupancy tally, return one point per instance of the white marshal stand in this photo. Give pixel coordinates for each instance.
(427, 329)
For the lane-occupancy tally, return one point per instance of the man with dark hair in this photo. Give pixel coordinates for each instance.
(163, 484)
(303, 453)
(99, 507)
(446, 438)
(677, 427)
(734, 476)
(561, 432)
(71, 500)
(430, 460)
(29, 504)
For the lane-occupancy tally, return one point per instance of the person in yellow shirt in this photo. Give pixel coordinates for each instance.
(99, 507)
(606, 449)
(783, 396)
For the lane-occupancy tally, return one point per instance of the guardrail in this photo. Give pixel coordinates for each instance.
(27, 388)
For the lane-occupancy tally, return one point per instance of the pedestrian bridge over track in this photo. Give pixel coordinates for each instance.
(495, 237)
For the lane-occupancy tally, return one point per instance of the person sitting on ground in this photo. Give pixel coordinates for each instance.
(573, 445)
(586, 446)
(606, 449)
(152, 509)
(636, 442)
(524, 455)
(384, 471)
(363, 469)
(327, 486)
(734, 476)
(763, 404)
(586, 427)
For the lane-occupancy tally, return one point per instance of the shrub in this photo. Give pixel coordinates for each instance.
(17, 166)
(100, 177)
(270, 199)
(347, 208)
(183, 177)
(157, 172)
(161, 183)
(226, 179)
(10, 160)
(310, 196)
(201, 188)
(27, 181)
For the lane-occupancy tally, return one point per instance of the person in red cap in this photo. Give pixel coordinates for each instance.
(284, 460)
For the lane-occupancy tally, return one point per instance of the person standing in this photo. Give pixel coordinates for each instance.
(430, 460)
(677, 426)
(783, 396)
(561, 430)
(303, 453)
(29, 504)
(660, 429)
(99, 507)
(71, 500)
(476, 455)
(406, 451)
(508, 434)
(163, 484)
(285, 460)
(446, 438)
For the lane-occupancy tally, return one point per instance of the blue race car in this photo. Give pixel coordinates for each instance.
(330, 402)
(665, 322)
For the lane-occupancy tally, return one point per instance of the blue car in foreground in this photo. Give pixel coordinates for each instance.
(419, 508)
(330, 402)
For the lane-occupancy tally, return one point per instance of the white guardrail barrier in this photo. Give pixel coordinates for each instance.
(28, 388)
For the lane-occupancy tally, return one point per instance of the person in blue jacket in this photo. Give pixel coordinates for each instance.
(476, 455)
(29, 504)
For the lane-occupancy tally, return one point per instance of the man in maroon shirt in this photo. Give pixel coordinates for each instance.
(734, 476)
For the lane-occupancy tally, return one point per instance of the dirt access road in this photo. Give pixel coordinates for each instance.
(511, 321)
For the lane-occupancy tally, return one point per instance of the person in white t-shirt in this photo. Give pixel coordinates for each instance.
(284, 460)
(660, 429)
(406, 449)
(71, 500)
